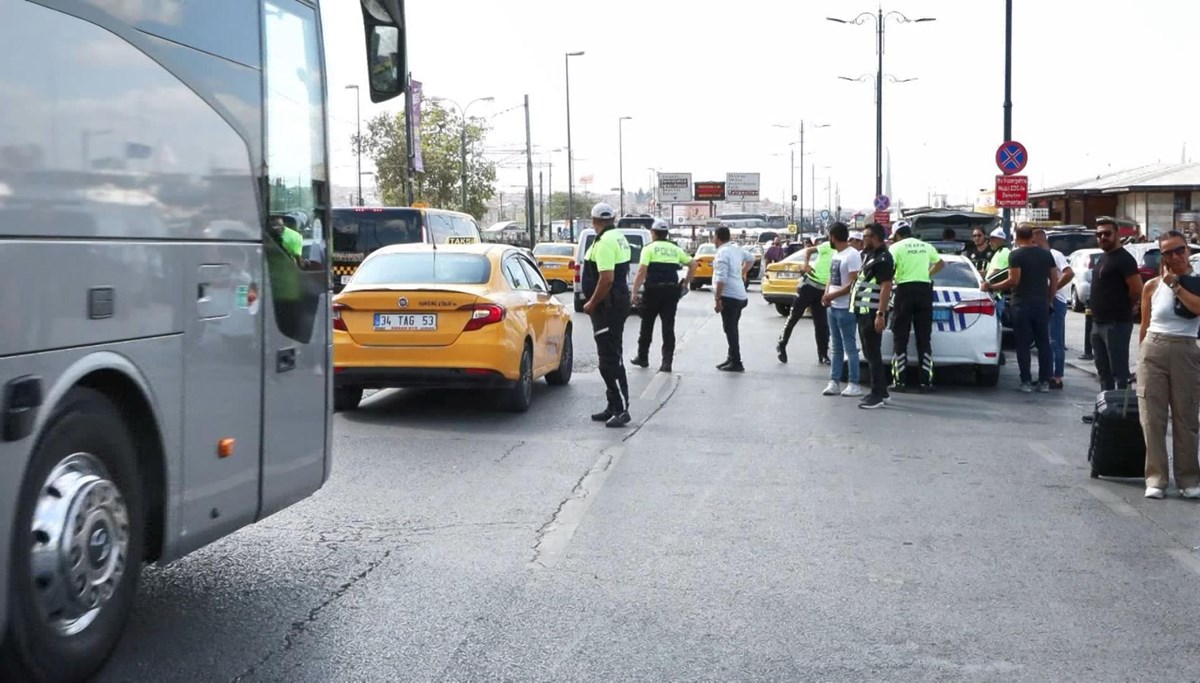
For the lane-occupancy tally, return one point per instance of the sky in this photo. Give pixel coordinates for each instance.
(1098, 86)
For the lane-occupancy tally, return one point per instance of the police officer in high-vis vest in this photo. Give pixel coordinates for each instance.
(916, 264)
(659, 270)
(808, 295)
(605, 284)
(869, 301)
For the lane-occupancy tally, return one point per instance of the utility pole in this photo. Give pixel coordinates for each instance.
(621, 159)
(408, 140)
(541, 208)
(792, 185)
(529, 178)
(879, 110)
(801, 227)
(358, 139)
(570, 162)
(1007, 94)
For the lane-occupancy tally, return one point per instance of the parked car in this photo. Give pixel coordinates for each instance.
(1070, 238)
(966, 330)
(638, 237)
(1081, 261)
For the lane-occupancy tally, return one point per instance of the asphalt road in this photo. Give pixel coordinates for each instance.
(744, 527)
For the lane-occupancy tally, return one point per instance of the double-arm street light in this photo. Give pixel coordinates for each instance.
(570, 163)
(880, 20)
(793, 182)
(463, 139)
(621, 158)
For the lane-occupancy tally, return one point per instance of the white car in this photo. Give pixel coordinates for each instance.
(1081, 262)
(637, 237)
(966, 330)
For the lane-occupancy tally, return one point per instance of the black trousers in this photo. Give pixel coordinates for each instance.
(608, 328)
(1110, 346)
(659, 301)
(809, 298)
(872, 351)
(913, 303)
(731, 315)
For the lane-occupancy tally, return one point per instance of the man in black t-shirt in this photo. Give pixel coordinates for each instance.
(979, 250)
(1031, 270)
(1115, 302)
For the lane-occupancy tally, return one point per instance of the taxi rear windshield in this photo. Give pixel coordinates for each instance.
(957, 274)
(429, 268)
(554, 250)
(362, 231)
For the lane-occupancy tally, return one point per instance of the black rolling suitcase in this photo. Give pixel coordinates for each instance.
(1118, 448)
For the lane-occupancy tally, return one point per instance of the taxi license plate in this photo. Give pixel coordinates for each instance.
(346, 279)
(941, 315)
(405, 322)
(788, 275)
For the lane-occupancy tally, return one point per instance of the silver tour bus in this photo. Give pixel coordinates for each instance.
(164, 294)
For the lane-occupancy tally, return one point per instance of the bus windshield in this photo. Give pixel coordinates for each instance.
(358, 232)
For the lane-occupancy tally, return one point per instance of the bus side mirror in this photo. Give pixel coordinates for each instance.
(387, 53)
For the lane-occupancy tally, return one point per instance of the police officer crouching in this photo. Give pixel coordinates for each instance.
(659, 271)
(605, 283)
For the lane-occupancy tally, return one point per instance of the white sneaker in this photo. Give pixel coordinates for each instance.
(1191, 492)
(832, 389)
(852, 390)
(1155, 493)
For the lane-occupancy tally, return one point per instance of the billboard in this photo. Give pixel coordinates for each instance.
(709, 191)
(674, 187)
(741, 187)
(690, 213)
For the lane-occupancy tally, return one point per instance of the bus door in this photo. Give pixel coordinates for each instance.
(295, 307)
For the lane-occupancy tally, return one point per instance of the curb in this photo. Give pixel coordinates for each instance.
(1086, 366)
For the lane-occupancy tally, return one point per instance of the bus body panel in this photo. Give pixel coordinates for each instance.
(158, 374)
(132, 211)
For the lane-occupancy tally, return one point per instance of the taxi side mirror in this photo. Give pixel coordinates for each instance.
(558, 287)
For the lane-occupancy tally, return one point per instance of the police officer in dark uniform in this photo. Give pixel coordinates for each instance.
(660, 263)
(605, 283)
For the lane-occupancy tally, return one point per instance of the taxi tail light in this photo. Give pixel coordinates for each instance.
(575, 267)
(338, 323)
(976, 307)
(483, 315)
(1147, 273)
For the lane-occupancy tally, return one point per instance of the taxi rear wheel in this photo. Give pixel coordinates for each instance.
(518, 398)
(783, 309)
(566, 361)
(346, 398)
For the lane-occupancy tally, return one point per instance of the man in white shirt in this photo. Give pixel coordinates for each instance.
(1058, 318)
(843, 325)
(730, 268)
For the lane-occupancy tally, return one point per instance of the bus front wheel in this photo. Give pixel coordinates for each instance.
(74, 573)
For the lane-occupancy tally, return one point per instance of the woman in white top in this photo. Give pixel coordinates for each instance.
(1168, 373)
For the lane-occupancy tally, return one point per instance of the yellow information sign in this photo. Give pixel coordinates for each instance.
(792, 229)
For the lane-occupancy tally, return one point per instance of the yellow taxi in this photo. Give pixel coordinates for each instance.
(704, 255)
(476, 316)
(780, 281)
(556, 261)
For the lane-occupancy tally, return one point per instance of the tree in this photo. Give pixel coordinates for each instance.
(440, 185)
(556, 206)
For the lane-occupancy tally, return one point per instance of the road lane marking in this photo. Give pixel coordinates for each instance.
(556, 535)
(1187, 558)
(1047, 454)
(1114, 502)
(655, 387)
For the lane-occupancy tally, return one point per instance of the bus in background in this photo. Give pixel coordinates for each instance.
(165, 348)
(358, 231)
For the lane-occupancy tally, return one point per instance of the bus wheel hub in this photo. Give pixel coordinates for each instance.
(80, 543)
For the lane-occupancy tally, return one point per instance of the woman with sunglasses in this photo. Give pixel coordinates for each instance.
(1168, 371)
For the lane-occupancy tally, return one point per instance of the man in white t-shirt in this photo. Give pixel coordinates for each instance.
(730, 267)
(1058, 318)
(843, 325)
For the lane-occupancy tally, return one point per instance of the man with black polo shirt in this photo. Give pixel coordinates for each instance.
(1033, 280)
(872, 293)
(660, 263)
(1116, 303)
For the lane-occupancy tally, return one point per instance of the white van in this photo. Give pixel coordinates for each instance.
(637, 237)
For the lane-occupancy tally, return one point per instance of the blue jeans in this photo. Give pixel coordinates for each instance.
(1058, 336)
(1031, 325)
(842, 328)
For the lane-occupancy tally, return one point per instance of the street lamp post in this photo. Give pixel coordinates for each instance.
(463, 140)
(358, 138)
(818, 125)
(880, 23)
(570, 164)
(621, 158)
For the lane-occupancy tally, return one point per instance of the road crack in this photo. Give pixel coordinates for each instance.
(551, 538)
(299, 628)
(509, 451)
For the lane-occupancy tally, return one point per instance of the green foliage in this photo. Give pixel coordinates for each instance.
(440, 186)
(556, 205)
